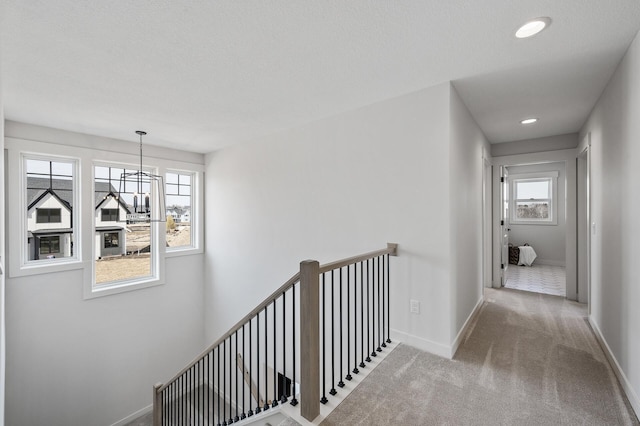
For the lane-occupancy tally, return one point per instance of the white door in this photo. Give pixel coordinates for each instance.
(504, 225)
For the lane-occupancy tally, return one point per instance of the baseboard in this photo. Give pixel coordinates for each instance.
(466, 326)
(421, 343)
(550, 262)
(134, 416)
(632, 396)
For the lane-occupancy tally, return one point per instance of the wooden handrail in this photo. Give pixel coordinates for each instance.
(391, 250)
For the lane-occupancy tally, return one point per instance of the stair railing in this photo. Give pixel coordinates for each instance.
(254, 366)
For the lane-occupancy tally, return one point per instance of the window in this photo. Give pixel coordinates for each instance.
(48, 216)
(179, 210)
(49, 201)
(111, 239)
(130, 258)
(533, 198)
(49, 245)
(110, 215)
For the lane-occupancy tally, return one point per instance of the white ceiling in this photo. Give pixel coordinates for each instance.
(204, 74)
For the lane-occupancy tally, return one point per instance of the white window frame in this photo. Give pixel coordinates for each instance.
(19, 264)
(156, 276)
(552, 177)
(195, 213)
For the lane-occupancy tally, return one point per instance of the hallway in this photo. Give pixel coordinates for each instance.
(529, 359)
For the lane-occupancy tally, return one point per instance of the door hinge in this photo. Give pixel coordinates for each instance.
(502, 223)
(502, 266)
(502, 179)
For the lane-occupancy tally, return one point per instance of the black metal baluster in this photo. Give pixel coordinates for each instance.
(192, 389)
(362, 315)
(266, 362)
(207, 394)
(196, 390)
(384, 305)
(284, 398)
(380, 338)
(294, 401)
(324, 399)
(218, 387)
(230, 383)
(258, 407)
(368, 359)
(372, 325)
(244, 363)
(340, 382)
(224, 382)
(274, 401)
(183, 397)
(333, 340)
(250, 413)
(237, 417)
(388, 302)
(348, 376)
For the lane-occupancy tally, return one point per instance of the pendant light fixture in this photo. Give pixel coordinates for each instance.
(143, 193)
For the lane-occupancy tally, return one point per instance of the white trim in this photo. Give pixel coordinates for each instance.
(631, 394)
(467, 327)
(19, 265)
(552, 177)
(132, 417)
(197, 214)
(422, 343)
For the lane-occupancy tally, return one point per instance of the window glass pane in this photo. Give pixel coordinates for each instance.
(532, 189)
(172, 178)
(122, 249)
(49, 209)
(178, 225)
(538, 210)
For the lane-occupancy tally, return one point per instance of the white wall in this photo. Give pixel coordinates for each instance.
(468, 147)
(615, 177)
(337, 187)
(72, 361)
(2, 255)
(547, 240)
(527, 146)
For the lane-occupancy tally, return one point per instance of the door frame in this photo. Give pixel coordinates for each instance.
(583, 182)
(568, 156)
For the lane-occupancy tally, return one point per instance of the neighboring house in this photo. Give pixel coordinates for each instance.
(49, 218)
(179, 214)
(110, 215)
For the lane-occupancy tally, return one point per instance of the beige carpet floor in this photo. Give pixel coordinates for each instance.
(530, 359)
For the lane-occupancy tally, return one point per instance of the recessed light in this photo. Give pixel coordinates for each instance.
(529, 121)
(533, 27)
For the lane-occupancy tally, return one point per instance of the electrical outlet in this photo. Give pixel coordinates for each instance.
(415, 307)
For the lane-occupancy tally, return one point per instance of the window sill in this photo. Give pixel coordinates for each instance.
(45, 267)
(182, 251)
(120, 287)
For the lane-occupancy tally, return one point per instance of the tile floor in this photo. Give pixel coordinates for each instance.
(537, 278)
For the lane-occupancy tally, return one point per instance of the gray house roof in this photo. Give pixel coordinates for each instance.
(63, 189)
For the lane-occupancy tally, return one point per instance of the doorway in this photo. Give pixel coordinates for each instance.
(536, 218)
